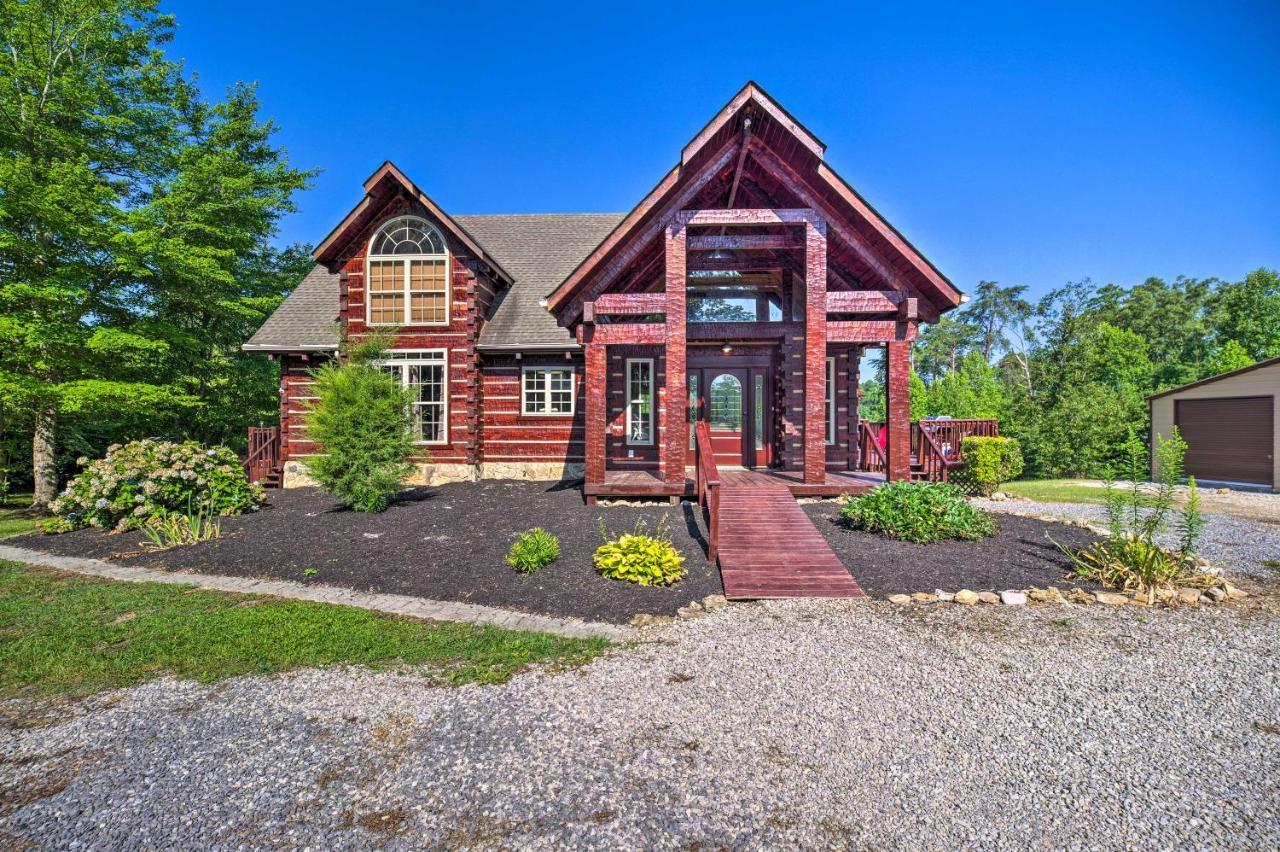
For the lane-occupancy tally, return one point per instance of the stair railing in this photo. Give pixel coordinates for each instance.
(870, 456)
(264, 452)
(707, 485)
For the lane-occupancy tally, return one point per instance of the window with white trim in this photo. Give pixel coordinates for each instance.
(407, 280)
(547, 391)
(639, 401)
(831, 400)
(425, 372)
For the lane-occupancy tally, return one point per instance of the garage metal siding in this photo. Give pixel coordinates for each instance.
(1230, 439)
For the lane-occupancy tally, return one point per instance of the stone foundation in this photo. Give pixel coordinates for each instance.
(295, 475)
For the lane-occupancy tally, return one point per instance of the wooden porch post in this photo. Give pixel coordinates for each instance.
(815, 352)
(855, 408)
(671, 417)
(596, 416)
(897, 354)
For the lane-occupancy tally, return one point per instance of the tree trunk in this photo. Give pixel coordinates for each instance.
(44, 467)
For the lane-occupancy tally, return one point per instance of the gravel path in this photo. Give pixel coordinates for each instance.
(1240, 545)
(796, 723)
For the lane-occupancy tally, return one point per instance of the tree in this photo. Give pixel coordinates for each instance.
(360, 423)
(992, 310)
(135, 221)
(973, 390)
(1230, 356)
(1248, 312)
(941, 345)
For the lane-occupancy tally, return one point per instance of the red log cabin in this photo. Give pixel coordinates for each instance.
(741, 292)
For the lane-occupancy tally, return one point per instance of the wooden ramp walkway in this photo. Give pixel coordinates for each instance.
(770, 549)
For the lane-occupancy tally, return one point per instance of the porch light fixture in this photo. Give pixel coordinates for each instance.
(726, 349)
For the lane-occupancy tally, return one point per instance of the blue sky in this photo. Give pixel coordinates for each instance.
(1030, 143)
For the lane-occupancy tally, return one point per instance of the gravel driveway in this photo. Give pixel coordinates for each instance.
(788, 723)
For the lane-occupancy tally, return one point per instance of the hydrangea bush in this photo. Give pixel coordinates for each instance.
(147, 479)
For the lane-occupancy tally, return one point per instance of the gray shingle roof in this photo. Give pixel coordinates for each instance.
(306, 321)
(538, 249)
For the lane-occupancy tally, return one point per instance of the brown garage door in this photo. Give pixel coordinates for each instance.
(1229, 439)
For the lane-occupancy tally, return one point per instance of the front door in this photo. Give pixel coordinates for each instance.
(726, 406)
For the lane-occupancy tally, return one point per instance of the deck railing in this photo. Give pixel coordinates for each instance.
(707, 485)
(936, 445)
(264, 452)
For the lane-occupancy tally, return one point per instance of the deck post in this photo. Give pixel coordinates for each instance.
(595, 420)
(815, 351)
(671, 415)
(855, 407)
(898, 409)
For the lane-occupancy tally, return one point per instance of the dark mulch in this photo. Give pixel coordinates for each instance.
(1019, 556)
(445, 542)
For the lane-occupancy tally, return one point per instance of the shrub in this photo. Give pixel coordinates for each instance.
(919, 512)
(534, 549)
(988, 462)
(649, 560)
(147, 479)
(172, 529)
(1129, 558)
(360, 422)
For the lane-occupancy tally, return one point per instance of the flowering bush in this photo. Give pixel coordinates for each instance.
(149, 479)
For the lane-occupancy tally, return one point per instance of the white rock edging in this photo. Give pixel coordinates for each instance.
(379, 602)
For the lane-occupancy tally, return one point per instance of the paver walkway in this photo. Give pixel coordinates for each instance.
(391, 604)
(770, 549)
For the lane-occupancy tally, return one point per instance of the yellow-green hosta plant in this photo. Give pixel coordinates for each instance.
(647, 560)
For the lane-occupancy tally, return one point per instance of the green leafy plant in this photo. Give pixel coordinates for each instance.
(360, 422)
(1130, 558)
(988, 462)
(919, 512)
(171, 529)
(534, 549)
(309, 572)
(647, 560)
(152, 479)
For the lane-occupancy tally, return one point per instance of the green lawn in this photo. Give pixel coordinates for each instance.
(17, 516)
(1054, 491)
(65, 635)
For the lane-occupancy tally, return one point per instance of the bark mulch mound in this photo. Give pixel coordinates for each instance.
(445, 542)
(1018, 556)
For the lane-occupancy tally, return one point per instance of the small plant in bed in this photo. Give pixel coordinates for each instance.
(647, 560)
(988, 462)
(148, 480)
(918, 512)
(1129, 558)
(534, 549)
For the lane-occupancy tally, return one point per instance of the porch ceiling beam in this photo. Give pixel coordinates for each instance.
(745, 242)
(863, 301)
(783, 172)
(728, 331)
(704, 263)
(750, 216)
(870, 331)
(621, 333)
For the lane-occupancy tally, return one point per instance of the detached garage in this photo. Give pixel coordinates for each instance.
(1229, 424)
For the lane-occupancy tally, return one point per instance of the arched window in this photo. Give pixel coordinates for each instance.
(408, 275)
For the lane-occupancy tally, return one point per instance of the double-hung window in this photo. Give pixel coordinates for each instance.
(425, 372)
(640, 401)
(547, 391)
(408, 275)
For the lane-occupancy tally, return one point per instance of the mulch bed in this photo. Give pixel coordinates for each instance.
(445, 542)
(1018, 556)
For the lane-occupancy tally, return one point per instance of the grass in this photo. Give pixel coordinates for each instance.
(69, 636)
(17, 516)
(1054, 491)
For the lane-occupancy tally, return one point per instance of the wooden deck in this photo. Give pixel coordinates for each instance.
(770, 549)
(645, 483)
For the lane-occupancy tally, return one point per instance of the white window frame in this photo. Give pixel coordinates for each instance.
(831, 400)
(406, 264)
(546, 411)
(405, 358)
(626, 377)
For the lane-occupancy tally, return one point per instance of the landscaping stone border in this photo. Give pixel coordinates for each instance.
(1184, 596)
(413, 607)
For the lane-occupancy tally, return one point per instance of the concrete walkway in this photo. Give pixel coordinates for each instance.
(391, 604)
